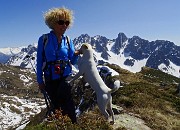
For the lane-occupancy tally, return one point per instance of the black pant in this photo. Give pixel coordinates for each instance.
(59, 92)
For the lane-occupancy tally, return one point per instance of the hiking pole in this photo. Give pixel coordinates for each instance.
(48, 102)
(31, 58)
(45, 94)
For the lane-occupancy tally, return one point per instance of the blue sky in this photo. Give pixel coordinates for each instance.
(21, 21)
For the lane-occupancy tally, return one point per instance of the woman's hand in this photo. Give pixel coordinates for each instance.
(77, 52)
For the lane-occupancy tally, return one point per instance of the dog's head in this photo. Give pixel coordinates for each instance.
(85, 47)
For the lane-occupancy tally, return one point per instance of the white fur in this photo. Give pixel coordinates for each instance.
(87, 68)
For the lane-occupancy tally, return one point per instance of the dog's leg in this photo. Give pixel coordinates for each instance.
(109, 108)
(75, 77)
(102, 102)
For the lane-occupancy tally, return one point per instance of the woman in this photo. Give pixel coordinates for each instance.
(58, 53)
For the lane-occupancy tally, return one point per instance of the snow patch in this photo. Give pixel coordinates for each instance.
(17, 110)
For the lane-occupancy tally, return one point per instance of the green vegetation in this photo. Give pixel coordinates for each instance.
(153, 98)
(87, 121)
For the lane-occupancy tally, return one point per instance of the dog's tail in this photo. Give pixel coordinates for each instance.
(117, 85)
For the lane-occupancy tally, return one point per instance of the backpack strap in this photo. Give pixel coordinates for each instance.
(68, 41)
(45, 41)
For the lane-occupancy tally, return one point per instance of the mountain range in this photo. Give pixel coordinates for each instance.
(129, 53)
(146, 93)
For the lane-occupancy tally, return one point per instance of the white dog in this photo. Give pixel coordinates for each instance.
(87, 69)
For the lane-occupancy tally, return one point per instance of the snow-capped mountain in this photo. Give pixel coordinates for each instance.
(20, 58)
(6, 53)
(134, 53)
(129, 53)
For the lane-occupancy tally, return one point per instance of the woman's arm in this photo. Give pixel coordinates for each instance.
(40, 50)
(73, 54)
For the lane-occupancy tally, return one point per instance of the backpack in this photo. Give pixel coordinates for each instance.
(45, 41)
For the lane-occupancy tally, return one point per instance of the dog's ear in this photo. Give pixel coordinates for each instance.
(85, 46)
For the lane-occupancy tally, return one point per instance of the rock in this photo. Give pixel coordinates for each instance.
(128, 121)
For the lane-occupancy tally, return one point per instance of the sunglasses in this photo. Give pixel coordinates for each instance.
(62, 22)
